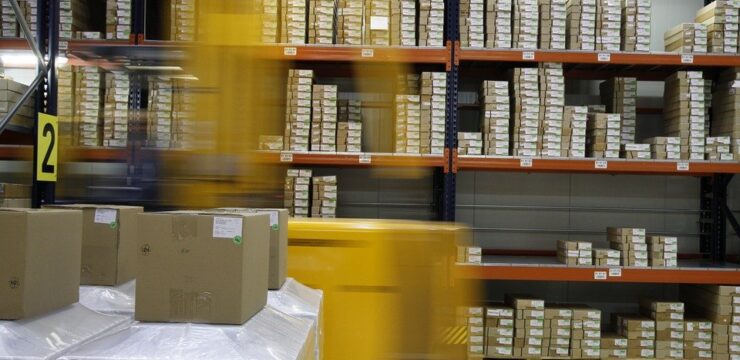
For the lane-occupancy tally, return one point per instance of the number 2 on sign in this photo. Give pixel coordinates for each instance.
(46, 158)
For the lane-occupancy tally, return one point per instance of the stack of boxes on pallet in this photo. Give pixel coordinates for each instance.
(297, 188)
(324, 200)
(298, 112)
(88, 109)
(636, 24)
(182, 27)
(719, 148)
(118, 19)
(471, 23)
(472, 317)
(665, 148)
(686, 38)
(469, 143)
(159, 113)
(608, 25)
(526, 24)
(574, 252)
(431, 22)
(499, 332)
(726, 108)
(270, 19)
(349, 22)
(669, 327)
(377, 22)
(720, 305)
(553, 15)
(640, 334)
(631, 243)
(293, 21)
(697, 339)
(529, 325)
(349, 127)
(469, 254)
(494, 98)
(116, 115)
(585, 333)
(433, 108)
(498, 23)
(321, 22)
(663, 251)
(620, 96)
(558, 325)
(574, 131)
(552, 101)
(606, 257)
(581, 25)
(403, 22)
(525, 109)
(613, 346)
(603, 135)
(721, 19)
(324, 118)
(684, 112)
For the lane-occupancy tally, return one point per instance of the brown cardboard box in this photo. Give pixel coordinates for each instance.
(14, 191)
(109, 235)
(278, 244)
(39, 261)
(202, 267)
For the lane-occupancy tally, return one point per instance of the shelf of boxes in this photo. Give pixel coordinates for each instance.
(349, 159)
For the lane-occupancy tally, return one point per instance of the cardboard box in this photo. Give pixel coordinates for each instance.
(39, 261)
(14, 191)
(202, 267)
(109, 243)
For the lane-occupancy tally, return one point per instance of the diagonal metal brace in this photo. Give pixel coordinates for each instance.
(731, 218)
(31, 88)
(28, 35)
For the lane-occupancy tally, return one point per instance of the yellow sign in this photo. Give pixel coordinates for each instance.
(47, 141)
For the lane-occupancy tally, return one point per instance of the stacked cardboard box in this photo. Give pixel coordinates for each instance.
(665, 148)
(553, 16)
(603, 135)
(159, 112)
(558, 323)
(116, 114)
(472, 317)
(270, 20)
(182, 27)
(631, 243)
(10, 92)
(526, 24)
(298, 112)
(719, 148)
(596, 109)
(620, 96)
(726, 107)
(74, 17)
(268, 142)
(66, 104)
(9, 22)
(88, 105)
(585, 333)
(574, 253)
(324, 204)
(349, 128)
(469, 254)
(498, 23)
(574, 131)
(470, 143)
(350, 14)
(324, 118)
(433, 104)
(297, 190)
(408, 121)
(636, 151)
(499, 332)
(669, 327)
(640, 334)
(377, 22)
(118, 19)
(606, 257)
(321, 22)
(686, 38)
(408, 84)
(293, 21)
(608, 25)
(613, 346)
(581, 25)
(718, 304)
(495, 112)
(684, 112)
(431, 22)
(663, 251)
(636, 23)
(721, 19)
(471, 23)
(697, 339)
(529, 325)
(403, 22)
(15, 195)
(525, 109)
(552, 101)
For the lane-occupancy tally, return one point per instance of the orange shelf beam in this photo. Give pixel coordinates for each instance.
(418, 55)
(351, 160)
(655, 167)
(14, 44)
(628, 275)
(20, 152)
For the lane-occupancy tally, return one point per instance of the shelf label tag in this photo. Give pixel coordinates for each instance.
(605, 57)
(290, 51)
(368, 52)
(682, 166)
(528, 55)
(599, 275)
(615, 272)
(525, 162)
(46, 157)
(687, 59)
(365, 158)
(286, 157)
(601, 164)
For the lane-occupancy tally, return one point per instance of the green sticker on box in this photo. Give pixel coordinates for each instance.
(237, 240)
(114, 225)
(274, 226)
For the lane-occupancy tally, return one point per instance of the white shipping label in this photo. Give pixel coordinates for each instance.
(227, 227)
(368, 52)
(525, 162)
(105, 216)
(687, 59)
(274, 215)
(378, 23)
(601, 164)
(365, 158)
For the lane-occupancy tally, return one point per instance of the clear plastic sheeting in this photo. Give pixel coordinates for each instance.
(52, 335)
(268, 335)
(118, 300)
(301, 301)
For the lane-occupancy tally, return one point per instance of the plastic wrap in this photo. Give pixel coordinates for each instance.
(300, 301)
(268, 335)
(118, 300)
(53, 334)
